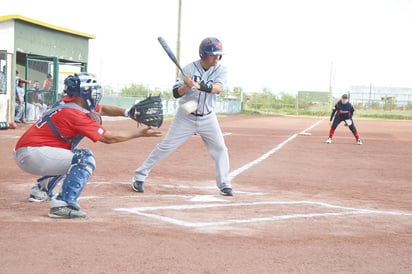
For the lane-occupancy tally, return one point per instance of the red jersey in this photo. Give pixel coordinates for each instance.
(69, 122)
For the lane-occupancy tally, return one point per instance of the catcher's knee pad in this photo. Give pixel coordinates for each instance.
(84, 157)
(83, 165)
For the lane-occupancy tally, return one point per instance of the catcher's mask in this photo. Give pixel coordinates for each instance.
(85, 85)
(210, 46)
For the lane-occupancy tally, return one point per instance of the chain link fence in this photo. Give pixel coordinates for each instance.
(374, 103)
(384, 103)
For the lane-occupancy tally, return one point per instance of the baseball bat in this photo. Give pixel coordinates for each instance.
(170, 53)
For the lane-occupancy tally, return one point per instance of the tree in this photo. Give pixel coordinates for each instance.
(107, 90)
(288, 100)
(135, 90)
(237, 92)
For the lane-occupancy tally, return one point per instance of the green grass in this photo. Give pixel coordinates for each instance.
(386, 116)
(402, 115)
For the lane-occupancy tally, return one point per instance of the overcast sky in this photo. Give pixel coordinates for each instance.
(281, 45)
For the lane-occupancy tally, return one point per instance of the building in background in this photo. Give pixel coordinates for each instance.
(36, 49)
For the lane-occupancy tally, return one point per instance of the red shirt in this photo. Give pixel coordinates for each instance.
(69, 122)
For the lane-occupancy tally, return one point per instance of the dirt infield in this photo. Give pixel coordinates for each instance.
(300, 205)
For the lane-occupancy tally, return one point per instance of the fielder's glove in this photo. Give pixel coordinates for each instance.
(348, 122)
(148, 112)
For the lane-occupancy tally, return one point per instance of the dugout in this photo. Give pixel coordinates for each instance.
(37, 50)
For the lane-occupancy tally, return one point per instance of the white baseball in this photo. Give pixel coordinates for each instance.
(189, 106)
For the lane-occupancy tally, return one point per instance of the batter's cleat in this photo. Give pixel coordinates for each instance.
(329, 141)
(37, 195)
(359, 141)
(138, 186)
(227, 191)
(66, 212)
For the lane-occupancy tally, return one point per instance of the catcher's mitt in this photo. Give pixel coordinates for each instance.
(148, 112)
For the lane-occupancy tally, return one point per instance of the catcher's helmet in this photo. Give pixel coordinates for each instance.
(85, 85)
(210, 46)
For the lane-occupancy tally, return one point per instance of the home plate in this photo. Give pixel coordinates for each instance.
(205, 198)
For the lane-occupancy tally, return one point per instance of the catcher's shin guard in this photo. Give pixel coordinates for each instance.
(83, 164)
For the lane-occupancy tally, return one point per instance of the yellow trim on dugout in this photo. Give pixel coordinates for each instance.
(43, 24)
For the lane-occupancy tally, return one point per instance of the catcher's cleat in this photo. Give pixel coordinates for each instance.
(227, 192)
(329, 141)
(66, 212)
(37, 195)
(138, 186)
(359, 141)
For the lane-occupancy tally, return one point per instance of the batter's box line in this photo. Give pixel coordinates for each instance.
(169, 186)
(142, 211)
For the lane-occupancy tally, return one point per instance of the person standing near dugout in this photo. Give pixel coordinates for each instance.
(49, 147)
(343, 112)
(202, 81)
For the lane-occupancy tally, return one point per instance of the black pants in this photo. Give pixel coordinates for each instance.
(337, 121)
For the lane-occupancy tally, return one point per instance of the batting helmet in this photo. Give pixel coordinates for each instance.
(85, 85)
(210, 46)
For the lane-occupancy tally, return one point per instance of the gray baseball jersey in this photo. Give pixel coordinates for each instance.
(206, 101)
(203, 121)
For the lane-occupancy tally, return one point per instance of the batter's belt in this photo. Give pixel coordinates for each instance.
(200, 115)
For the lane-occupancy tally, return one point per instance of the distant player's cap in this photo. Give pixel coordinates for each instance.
(345, 96)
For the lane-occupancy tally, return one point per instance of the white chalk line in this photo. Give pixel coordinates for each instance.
(242, 169)
(143, 211)
(239, 221)
(9, 136)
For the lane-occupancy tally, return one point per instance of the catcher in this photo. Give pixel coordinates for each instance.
(49, 147)
(344, 113)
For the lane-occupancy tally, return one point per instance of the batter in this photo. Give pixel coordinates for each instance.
(203, 80)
